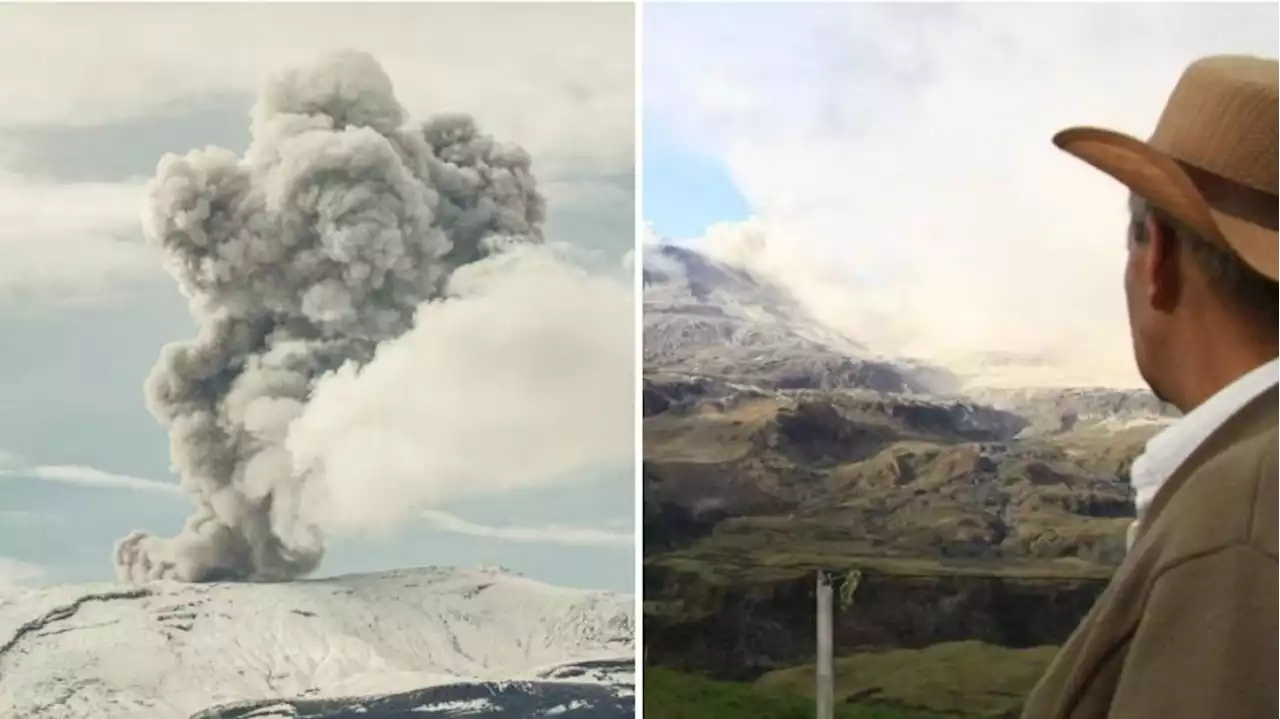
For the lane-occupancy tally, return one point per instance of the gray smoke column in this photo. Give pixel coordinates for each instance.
(301, 257)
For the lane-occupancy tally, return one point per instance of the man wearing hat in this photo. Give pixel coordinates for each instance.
(1187, 627)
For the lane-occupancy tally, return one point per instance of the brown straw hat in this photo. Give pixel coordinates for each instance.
(1211, 163)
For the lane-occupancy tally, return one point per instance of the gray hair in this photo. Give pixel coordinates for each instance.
(1235, 281)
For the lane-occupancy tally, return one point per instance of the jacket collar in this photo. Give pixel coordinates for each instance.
(1176, 452)
(1169, 449)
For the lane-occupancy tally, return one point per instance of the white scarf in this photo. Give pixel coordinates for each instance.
(1166, 451)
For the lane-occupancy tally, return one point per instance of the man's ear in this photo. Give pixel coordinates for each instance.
(1160, 268)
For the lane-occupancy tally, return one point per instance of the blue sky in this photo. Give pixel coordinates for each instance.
(686, 188)
(85, 308)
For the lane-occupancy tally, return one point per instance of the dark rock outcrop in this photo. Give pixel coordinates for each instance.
(740, 632)
(488, 700)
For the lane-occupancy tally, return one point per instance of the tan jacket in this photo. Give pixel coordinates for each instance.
(1187, 628)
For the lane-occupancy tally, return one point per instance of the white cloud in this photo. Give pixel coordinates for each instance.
(89, 477)
(16, 575)
(557, 79)
(70, 242)
(899, 157)
(649, 237)
(526, 376)
(541, 534)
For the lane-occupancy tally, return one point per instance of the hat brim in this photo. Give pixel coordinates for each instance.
(1254, 244)
(1150, 173)
(1159, 179)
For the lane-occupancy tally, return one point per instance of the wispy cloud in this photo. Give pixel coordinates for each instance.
(27, 517)
(539, 534)
(15, 574)
(70, 242)
(89, 477)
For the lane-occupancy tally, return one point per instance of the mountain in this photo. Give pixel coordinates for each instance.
(706, 317)
(775, 447)
(419, 642)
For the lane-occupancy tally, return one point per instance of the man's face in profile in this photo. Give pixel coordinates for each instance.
(1153, 288)
(1142, 289)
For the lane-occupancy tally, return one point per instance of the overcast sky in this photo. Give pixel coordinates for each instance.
(92, 96)
(898, 160)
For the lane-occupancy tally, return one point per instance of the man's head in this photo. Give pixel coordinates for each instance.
(1202, 269)
(1198, 315)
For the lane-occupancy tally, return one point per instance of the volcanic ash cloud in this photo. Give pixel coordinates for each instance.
(338, 227)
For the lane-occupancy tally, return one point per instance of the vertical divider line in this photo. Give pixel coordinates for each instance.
(637, 267)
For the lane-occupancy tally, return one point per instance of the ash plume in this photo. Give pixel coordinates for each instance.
(298, 259)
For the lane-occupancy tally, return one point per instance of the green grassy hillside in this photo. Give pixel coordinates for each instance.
(670, 694)
(964, 678)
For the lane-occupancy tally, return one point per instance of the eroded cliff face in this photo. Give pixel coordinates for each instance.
(886, 475)
(740, 631)
(971, 522)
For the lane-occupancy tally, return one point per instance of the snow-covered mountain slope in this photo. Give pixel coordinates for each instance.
(706, 317)
(680, 280)
(168, 650)
(712, 320)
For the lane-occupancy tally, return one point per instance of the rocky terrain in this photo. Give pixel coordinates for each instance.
(775, 448)
(420, 642)
(610, 695)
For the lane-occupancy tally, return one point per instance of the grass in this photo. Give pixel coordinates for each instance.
(751, 551)
(968, 678)
(670, 694)
(708, 435)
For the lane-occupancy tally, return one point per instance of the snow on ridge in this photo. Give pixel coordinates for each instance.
(700, 307)
(189, 646)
